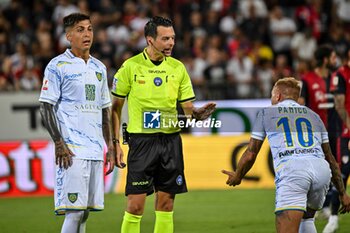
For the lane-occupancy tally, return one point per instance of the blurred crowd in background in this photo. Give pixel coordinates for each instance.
(233, 49)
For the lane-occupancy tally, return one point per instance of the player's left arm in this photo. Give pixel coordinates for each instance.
(107, 134)
(339, 101)
(245, 163)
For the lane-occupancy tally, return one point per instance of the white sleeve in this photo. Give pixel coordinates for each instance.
(258, 131)
(51, 89)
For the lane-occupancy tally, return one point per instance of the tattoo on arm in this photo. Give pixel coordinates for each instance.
(49, 119)
(249, 157)
(336, 174)
(106, 125)
(339, 101)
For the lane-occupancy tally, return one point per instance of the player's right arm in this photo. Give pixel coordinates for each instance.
(120, 90)
(245, 163)
(62, 153)
(117, 107)
(337, 178)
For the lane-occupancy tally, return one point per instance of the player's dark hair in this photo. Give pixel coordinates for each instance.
(346, 55)
(153, 23)
(322, 52)
(74, 18)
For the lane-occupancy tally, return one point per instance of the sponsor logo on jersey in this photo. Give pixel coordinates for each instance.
(72, 197)
(73, 75)
(151, 120)
(335, 80)
(61, 63)
(90, 92)
(306, 151)
(140, 183)
(156, 71)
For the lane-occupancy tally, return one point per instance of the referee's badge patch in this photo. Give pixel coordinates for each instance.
(179, 180)
(157, 81)
(114, 84)
(45, 86)
(335, 80)
(72, 197)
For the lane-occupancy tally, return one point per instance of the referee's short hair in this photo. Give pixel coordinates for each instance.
(153, 23)
(74, 18)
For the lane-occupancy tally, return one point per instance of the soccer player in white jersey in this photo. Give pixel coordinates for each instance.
(74, 104)
(302, 158)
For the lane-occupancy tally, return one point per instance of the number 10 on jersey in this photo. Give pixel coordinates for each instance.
(303, 129)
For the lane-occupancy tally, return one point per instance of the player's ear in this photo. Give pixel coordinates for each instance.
(279, 96)
(69, 36)
(149, 40)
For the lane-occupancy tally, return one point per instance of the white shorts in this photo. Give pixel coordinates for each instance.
(80, 187)
(301, 183)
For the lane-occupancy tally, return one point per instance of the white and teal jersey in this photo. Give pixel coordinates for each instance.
(79, 92)
(293, 131)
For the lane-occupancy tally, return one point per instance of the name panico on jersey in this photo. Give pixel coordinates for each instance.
(79, 92)
(293, 131)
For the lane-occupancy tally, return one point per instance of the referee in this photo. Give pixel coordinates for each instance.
(153, 82)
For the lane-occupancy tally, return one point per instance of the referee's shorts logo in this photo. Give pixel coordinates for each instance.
(179, 180)
(151, 120)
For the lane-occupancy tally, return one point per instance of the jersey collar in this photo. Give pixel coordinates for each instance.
(69, 54)
(288, 102)
(146, 57)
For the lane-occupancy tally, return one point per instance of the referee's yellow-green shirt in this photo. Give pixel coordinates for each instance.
(152, 92)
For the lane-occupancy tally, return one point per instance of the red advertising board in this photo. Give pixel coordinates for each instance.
(26, 168)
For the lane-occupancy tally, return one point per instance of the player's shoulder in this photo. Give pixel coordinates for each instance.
(344, 71)
(175, 62)
(61, 60)
(137, 59)
(99, 64)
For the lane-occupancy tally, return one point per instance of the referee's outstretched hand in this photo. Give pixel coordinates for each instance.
(204, 112)
(119, 156)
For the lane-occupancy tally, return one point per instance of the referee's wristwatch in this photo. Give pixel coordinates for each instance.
(115, 141)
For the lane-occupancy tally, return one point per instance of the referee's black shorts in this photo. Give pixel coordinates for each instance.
(155, 163)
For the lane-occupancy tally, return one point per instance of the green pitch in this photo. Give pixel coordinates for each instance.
(241, 211)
